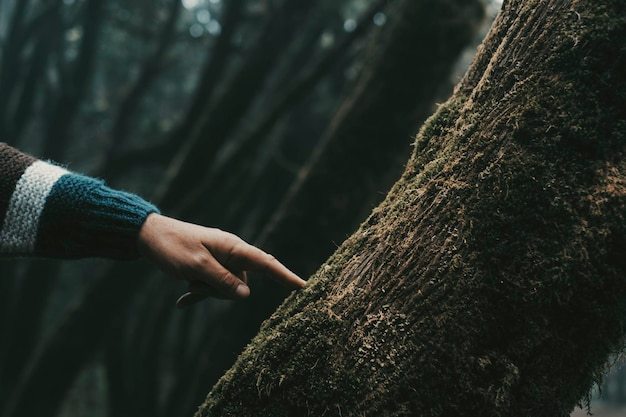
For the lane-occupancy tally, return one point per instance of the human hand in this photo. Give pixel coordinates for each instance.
(214, 262)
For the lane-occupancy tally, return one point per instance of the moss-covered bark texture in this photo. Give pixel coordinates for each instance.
(492, 280)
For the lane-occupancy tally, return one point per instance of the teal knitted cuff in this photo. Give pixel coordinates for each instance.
(82, 217)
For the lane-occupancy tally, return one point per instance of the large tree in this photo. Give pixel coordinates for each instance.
(490, 282)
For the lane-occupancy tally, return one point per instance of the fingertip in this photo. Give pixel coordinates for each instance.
(242, 291)
(296, 282)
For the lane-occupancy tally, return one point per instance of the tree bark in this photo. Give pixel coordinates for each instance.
(490, 282)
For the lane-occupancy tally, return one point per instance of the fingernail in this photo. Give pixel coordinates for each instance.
(188, 299)
(242, 291)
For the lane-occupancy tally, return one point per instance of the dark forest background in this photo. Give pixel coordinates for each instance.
(283, 121)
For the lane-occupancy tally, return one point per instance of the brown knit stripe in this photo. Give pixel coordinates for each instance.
(12, 165)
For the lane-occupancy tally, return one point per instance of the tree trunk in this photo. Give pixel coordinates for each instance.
(490, 282)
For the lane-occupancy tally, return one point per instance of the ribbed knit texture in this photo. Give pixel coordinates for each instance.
(48, 211)
(93, 219)
(12, 166)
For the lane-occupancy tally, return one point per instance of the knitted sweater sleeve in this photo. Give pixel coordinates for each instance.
(48, 211)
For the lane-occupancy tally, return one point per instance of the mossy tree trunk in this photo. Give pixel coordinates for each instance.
(490, 282)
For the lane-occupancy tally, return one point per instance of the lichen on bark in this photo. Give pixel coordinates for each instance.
(490, 282)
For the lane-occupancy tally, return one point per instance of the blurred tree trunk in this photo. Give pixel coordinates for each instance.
(9, 69)
(364, 148)
(46, 26)
(77, 335)
(294, 88)
(210, 77)
(241, 158)
(490, 282)
(38, 281)
(211, 129)
(133, 351)
(74, 84)
(21, 72)
(150, 70)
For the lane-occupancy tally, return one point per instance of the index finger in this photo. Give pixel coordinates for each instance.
(254, 259)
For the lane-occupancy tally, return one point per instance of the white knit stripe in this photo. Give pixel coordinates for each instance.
(19, 230)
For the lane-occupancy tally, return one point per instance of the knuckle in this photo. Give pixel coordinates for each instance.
(194, 265)
(235, 252)
(200, 260)
(269, 261)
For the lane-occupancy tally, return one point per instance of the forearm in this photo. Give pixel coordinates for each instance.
(46, 210)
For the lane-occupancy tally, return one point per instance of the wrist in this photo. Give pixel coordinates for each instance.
(147, 233)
